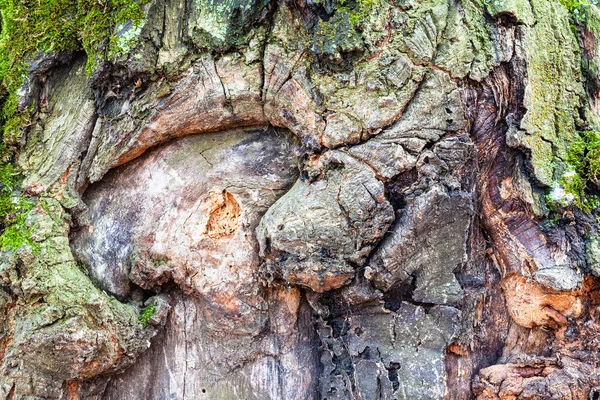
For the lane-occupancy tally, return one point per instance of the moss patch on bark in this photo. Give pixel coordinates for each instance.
(34, 28)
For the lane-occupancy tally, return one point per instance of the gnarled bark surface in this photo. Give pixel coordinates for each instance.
(311, 200)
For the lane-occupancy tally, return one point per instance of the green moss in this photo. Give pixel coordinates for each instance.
(582, 165)
(9, 179)
(13, 210)
(358, 10)
(30, 29)
(578, 8)
(34, 27)
(573, 185)
(336, 36)
(146, 314)
(592, 155)
(17, 233)
(584, 155)
(344, 35)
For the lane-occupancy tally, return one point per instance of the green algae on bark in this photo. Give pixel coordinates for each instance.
(467, 48)
(554, 89)
(56, 299)
(564, 156)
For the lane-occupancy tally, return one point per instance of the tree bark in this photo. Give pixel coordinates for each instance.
(313, 200)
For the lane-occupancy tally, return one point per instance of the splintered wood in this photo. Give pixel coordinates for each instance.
(531, 304)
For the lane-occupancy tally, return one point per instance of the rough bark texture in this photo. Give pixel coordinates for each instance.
(311, 200)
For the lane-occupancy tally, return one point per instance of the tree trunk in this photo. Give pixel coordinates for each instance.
(360, 199)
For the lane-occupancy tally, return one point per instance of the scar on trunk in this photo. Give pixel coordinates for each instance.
(224, 215)
(531, 304)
